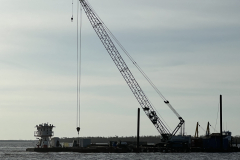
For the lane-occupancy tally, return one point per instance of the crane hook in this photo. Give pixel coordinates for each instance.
(72, 12)
(78, 129)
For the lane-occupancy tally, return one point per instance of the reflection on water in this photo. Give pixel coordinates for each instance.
(17, 151)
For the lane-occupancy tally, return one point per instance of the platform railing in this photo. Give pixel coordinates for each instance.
(43, 133)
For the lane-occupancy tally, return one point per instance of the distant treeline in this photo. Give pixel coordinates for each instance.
(148, 139)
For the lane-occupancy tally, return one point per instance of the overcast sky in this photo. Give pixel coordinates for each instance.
(189, 49)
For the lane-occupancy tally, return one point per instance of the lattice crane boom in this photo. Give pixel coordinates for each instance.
(142, 99)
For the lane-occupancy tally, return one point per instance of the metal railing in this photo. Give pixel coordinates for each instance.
(43, 133)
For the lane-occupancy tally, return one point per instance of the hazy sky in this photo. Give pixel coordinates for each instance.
(189, 49)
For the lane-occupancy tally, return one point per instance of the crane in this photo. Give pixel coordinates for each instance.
(208, 130)
(103, 34)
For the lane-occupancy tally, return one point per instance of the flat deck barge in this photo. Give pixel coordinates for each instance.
(120, 150)
(82, 150)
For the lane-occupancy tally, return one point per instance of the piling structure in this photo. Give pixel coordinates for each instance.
(221, 138)
(138, 126)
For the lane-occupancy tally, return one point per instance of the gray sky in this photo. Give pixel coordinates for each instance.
(189, 49)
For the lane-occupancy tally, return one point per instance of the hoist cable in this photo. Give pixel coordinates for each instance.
(72, 8)
(79, 45)
(80, 62)
(77, 67)
(202, 128)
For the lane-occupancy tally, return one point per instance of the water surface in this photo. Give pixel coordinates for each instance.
(17, 151)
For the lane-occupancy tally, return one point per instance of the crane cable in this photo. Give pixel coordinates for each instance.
(217, 117)
(72, 12)
(137, 66)
(80, 58)
(129, 56)
(141, 71)
(77, 71)
(201, 128)
(79, 41)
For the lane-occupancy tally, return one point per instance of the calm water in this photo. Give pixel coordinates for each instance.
(17, 151)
